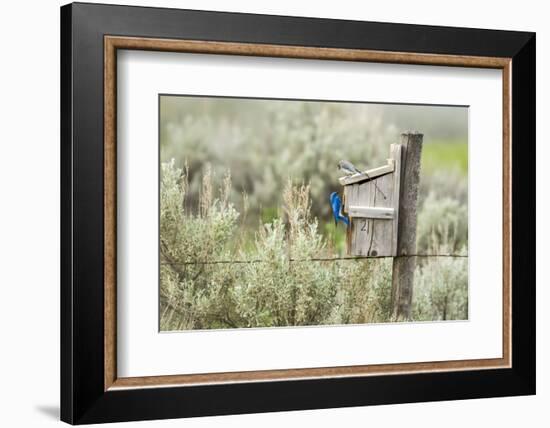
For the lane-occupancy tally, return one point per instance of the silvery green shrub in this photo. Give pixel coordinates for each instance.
(210, 279)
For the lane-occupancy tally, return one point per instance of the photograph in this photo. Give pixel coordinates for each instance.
(286, 212)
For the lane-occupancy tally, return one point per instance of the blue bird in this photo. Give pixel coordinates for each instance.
(336, 204)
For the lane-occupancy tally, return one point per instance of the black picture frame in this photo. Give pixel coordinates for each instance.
(83, 398)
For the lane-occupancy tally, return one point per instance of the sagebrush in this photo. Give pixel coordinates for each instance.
(210, 278)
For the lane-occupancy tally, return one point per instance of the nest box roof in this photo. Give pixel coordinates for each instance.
(369, 174)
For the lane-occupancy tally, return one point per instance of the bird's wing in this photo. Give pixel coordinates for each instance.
(340, 206)
(354, 168)
(340, 212)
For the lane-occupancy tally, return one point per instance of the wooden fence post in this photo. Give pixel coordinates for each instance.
(404, 267)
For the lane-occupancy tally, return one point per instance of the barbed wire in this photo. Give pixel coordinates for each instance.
(328, 259)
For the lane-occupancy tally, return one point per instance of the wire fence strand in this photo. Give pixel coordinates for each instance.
(328, 259)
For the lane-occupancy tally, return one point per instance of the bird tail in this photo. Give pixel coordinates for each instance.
(344, 219)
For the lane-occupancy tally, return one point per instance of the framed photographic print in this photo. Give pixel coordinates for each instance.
(265, 213)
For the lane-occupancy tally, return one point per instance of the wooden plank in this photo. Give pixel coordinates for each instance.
(395, 153)
(371, 212)
(404, 267)
(368, 175)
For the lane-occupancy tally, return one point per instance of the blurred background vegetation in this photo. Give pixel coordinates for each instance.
(227, 165)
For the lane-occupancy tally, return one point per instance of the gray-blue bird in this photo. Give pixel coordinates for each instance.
(348, 167)
(351, 169)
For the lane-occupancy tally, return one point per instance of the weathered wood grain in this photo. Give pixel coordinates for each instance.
(368, 175)
(370, 236)
(395, 154)
(373, 205)
(371, 212)
(403, 267)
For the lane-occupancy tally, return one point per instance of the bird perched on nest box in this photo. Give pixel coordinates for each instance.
(351, 169)
(336, 204)
(348, 167)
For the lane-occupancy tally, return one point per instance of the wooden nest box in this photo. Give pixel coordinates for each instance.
(373, 201)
